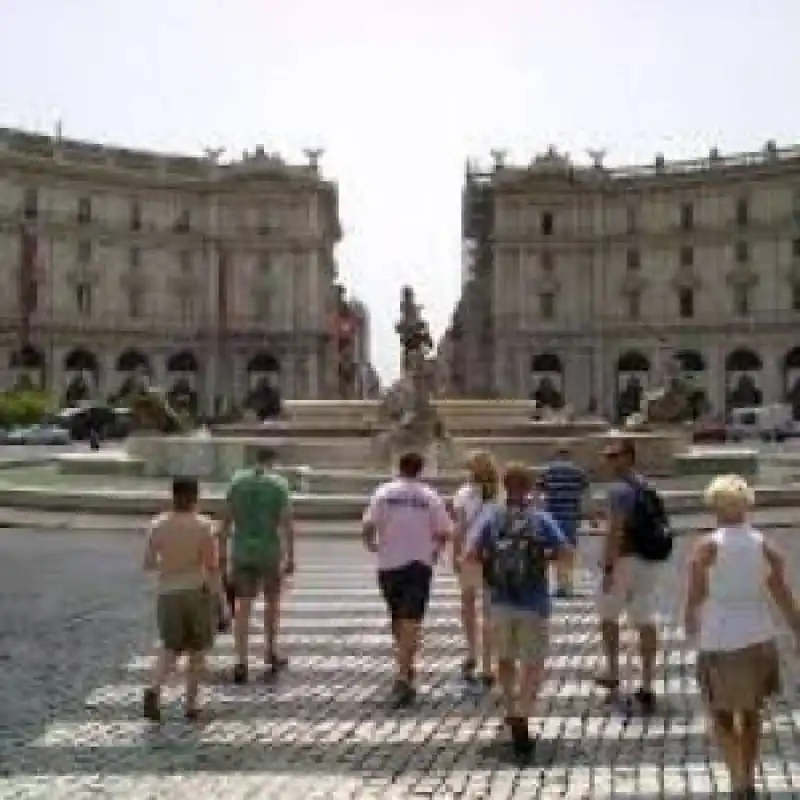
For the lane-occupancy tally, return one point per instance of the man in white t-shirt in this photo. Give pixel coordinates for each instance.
(406, 524)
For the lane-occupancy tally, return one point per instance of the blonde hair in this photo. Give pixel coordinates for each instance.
(483, 471)
(727, 491)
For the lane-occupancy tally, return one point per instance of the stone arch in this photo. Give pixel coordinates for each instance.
(82, 372)
(743, 377)
(264, 395)
(791, 380)
(633, 378)
(183, 369)
(133, 368)
(547, 380)
(28, 366)
(694, 371)
(132, 360)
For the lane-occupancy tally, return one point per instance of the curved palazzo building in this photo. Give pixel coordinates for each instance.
(209, 277)
(581, 282)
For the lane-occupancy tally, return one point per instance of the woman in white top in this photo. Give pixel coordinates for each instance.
(469, 504)
(734, 576)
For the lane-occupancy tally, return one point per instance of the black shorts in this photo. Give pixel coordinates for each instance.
(406, 590)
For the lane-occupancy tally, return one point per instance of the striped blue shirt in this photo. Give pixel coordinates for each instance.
(564, 485)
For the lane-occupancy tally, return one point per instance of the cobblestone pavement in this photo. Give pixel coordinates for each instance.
(75, 634)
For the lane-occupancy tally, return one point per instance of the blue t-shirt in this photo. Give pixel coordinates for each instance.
(564, 484)
(542, 527)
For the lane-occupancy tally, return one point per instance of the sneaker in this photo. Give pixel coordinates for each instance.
(468, 669)
(277, 664)
(521, 741)
(608, 682)
(402, 696)
(240, 674)
(151, 705)
(646, 699)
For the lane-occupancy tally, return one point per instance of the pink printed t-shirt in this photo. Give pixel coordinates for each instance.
(408, 516)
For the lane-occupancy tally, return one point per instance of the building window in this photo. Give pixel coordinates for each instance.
(84, 251)
(30, 204)
(742, 213)
(742, 252)
(634, 306)
(83, 298)
(630, 220)
(633, 259)
(741, 301)
(796, 248)
(687, 216)
(547, 223)
(686, 303)
(687, 256)
(184, 222)
(84, 210)
(795, 297)
(547, 305)
(136, 215)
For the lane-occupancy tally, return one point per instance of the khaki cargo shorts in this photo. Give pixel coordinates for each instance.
(186, 620)
(519, 635)
(249, 581)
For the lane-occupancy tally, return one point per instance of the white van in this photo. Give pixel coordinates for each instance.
(770, 423)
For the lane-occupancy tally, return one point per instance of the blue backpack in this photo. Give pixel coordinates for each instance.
(516, 558)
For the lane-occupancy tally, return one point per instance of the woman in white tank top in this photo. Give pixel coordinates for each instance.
(468, 506)
(734, 576)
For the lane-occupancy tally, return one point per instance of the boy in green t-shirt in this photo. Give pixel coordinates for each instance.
(262, 553)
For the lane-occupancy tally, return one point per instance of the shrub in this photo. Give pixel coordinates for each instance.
(24, 407)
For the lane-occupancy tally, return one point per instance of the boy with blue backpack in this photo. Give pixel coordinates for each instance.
(515, 546)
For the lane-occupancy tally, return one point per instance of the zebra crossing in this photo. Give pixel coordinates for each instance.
(323, 730)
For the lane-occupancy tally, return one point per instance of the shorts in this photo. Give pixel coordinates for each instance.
(570, 530)
(739, 680)
(470, 577)
(248, 581)
(519, 634)
(634, 591)
(186, 620)
(406, 590)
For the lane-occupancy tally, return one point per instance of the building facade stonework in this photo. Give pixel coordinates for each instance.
(582, 281)
(213, 276)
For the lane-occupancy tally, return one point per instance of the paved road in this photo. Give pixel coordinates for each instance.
(75, 635)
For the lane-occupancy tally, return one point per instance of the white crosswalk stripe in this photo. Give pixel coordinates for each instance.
(321, 731)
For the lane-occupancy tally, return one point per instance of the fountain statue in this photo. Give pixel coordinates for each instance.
(669, 404)
(414, 423)
(152, 412)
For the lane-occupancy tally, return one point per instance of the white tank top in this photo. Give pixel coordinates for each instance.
(736, 613)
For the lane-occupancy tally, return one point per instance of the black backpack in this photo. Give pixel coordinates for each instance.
(648, 532)
(515, 560)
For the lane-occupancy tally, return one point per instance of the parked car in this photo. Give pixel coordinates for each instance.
(771, 423)
(107, 422)
(38, 434)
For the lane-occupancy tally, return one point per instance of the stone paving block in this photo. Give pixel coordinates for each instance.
(75, 655)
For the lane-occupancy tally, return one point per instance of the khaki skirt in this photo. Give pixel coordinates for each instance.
(739, 680)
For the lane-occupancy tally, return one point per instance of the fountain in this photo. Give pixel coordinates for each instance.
(414, 422)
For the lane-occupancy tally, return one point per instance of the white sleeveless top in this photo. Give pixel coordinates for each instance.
(736, 613)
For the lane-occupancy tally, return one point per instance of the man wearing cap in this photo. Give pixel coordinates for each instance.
(259, 511)
(629, 583)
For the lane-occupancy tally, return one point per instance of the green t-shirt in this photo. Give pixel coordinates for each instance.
(257, 500)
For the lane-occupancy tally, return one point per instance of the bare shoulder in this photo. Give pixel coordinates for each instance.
(703, 551)
(772, 551)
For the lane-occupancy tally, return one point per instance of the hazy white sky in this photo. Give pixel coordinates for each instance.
(400, 92)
